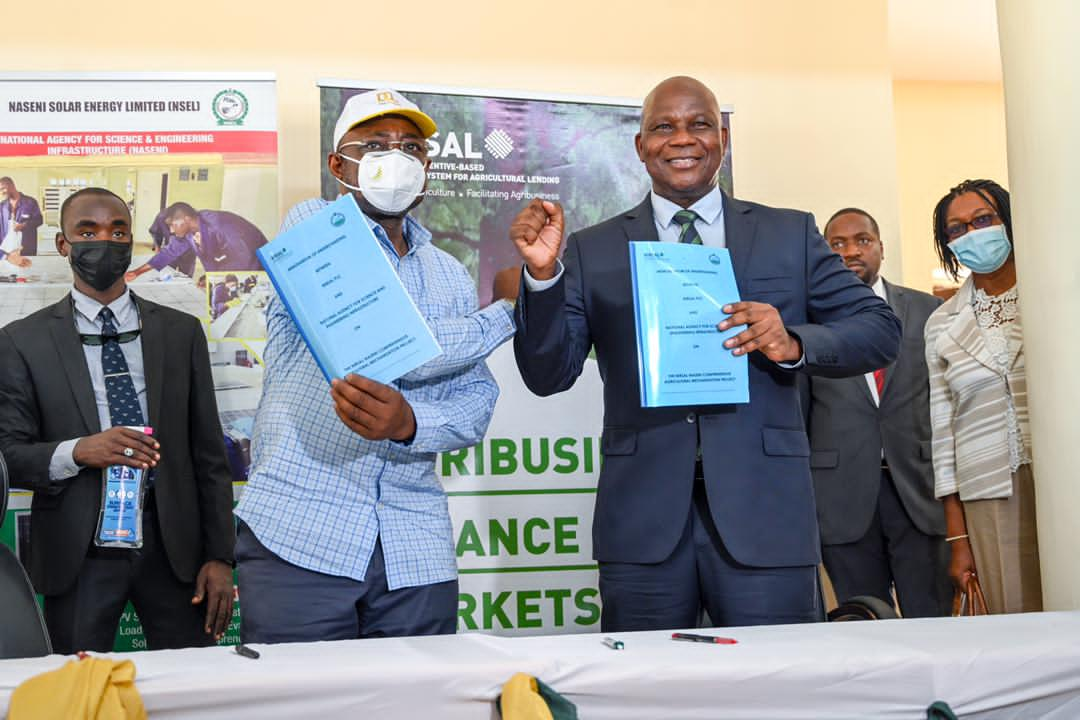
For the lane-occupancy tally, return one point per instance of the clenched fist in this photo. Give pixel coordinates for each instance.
(537, 232)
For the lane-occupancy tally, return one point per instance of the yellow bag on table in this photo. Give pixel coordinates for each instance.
(88, 689)
(527, 698)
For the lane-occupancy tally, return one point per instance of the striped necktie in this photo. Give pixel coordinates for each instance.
(688, 234)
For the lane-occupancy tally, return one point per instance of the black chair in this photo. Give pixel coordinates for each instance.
(22, 629)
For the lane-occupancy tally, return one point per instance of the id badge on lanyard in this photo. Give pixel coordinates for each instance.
(123, 491)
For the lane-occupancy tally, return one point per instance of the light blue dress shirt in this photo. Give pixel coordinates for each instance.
(709, 224)
(62, 465)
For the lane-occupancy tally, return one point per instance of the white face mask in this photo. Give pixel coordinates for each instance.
(390, 180)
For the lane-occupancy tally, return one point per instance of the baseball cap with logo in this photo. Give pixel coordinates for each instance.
(366, 106)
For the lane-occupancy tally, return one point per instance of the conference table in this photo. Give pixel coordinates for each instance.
(986, 667)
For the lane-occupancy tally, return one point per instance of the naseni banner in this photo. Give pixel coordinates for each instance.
(195, 157)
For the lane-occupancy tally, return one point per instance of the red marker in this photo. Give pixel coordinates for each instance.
(712, 639)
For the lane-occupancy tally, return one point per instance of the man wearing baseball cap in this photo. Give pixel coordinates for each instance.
(344, 528)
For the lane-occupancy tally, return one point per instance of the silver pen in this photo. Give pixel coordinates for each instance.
(613, 643)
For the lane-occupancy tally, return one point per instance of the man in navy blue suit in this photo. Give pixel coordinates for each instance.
(703, 507)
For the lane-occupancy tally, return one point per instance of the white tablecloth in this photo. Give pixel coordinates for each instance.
(1003, 666)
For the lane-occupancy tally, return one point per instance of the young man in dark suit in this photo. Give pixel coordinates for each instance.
(881, 526)
(698, 507)
(73, 378)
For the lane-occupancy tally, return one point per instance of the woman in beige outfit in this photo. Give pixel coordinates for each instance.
(978, 403)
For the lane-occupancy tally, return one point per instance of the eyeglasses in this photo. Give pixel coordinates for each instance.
(862, 242)
(959, 229)
(416, 148)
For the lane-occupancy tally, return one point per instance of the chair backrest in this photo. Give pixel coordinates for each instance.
(22, 629)
(863, 607)
(3, 489)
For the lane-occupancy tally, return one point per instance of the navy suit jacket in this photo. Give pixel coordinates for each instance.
(756, 455)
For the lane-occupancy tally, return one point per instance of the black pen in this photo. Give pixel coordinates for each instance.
(247, 652)
(712, 639)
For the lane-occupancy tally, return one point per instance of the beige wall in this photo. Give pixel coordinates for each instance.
(818, 124)
(810, 81)
(945, 133)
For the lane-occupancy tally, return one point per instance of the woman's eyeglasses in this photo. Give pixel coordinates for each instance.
(959, 229)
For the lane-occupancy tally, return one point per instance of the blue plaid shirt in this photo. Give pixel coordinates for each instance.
(318, 495)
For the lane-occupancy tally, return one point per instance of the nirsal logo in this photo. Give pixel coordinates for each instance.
(499, 144)
(279, 254)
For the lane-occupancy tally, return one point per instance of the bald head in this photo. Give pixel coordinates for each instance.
(679, 84)
(682, 140)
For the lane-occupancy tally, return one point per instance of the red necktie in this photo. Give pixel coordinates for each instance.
(879, 380)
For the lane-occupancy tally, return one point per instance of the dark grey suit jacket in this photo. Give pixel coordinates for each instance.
(847, 434)
(46, 397)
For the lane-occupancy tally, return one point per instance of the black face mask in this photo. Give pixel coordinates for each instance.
(100, 263)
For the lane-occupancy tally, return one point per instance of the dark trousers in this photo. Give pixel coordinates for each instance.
(700, 575)
(893, 552)
(85, 617)
(281, 602)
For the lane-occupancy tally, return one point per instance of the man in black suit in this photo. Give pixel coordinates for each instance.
(72, 376)
(881, 525)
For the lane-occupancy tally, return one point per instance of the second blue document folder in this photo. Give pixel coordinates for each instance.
(679, 293)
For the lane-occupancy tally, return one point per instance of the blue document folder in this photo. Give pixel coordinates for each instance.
(334, 278)
(679, 291)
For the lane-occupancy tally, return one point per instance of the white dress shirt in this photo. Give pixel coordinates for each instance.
(879, 289)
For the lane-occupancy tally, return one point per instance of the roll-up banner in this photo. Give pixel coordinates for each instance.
(205, 143)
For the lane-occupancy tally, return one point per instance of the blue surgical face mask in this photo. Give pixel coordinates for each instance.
(982, 251)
